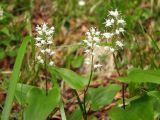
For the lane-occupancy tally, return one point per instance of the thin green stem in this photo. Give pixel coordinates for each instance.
(123, 85)
(45, 72)
(80, 103)
(85, 91)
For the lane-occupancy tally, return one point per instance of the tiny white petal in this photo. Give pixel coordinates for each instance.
(42, 51)
(114, 13)
(38, 38)
(96, 39)
(121, 30)
(43, 41)
(87, 51)
(107, 35)
(52, 53)
(121, 21)
(38, 44)
(39, 57)
(48, 50)
(119, 43)
(117, 31)
(41, 61)
(40, 32)
(51, 63)
(81, 3)
(97, 66)
(49, 42)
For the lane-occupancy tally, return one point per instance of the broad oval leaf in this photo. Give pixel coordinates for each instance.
(142, 76)
(40, 105)
(140, 109)
(21, 92)
(98, 97)
(74, 80)
(75, 114)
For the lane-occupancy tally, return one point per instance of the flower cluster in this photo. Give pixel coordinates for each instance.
(92, 43)
(114, 25)
(44, 43)
(99, 43)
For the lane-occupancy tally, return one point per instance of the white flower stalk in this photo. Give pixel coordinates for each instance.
(92, 46)
(114, 25)
(44, 44)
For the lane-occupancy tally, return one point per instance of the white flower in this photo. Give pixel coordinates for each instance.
(87, 51)
(117, 31)
(109, 22)
(41, 61)
(43, 51)
(97, 66)
(49, 42)
(38, 44)
(107, 35)
(110, 49)
(87, 43)
(97, 33)
(43, 41)
(121, 21)
(40, 32)
(87, 61)
(95, 45)
(44, 27)
(52, 53)
(38, 39)
(121, 30)
(114, 13)
(48, 50)
(112, 20)
(39, 57)
(81, 3)
(51, 63)
(119, 43)
(96, 39)
(49, 32)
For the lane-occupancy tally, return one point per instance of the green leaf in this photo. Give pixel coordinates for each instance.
(77, 61)
(156, 102)
(75, 114)
(21, 92)
(98, 97)
(40, 105)
(2, 53)
(13, 80)
(142, 76)
(140, 109)
(5, 31)
(155, 94)
(74, 80)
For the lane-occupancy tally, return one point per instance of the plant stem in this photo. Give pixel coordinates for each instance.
(45, 72)
(123, 85)
(80, 104)
(85, 91)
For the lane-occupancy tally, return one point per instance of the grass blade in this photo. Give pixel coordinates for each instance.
(13, 80)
